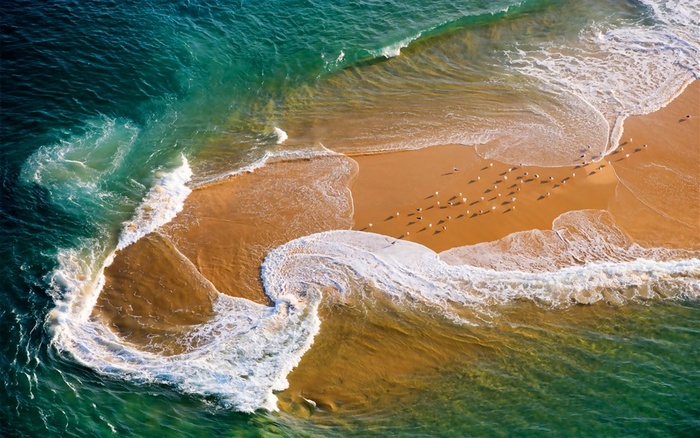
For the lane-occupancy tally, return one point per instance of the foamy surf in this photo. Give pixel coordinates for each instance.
(162, 203)
(633, 69)
(246, 351)
(281, 135)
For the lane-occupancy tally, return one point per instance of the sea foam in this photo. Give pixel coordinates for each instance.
(281, 135)
(246, 351)
(633, 69)
(162, 203)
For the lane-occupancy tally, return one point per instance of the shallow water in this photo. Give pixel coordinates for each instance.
(113, 113)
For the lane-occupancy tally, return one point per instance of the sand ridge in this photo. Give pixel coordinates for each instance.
(448, 196)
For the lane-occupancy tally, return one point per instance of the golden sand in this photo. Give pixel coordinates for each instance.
(447, 196)
(217, 243)
(657, 201)
(164, 283)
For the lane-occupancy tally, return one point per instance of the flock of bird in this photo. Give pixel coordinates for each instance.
(499, 194)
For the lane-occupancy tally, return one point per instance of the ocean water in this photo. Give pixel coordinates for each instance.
(113, 111)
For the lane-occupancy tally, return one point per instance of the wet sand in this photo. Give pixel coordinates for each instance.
(389, 361)
(658, 199)
(165, 283)
(217, 243)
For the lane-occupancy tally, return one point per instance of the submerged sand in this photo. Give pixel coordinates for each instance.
(441, 197)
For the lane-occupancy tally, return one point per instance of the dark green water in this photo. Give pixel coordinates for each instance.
(100, 99)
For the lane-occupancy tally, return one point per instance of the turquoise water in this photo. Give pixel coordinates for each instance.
(102, 100)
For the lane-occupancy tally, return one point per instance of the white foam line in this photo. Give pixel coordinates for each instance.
(162, 203)
(247, 350)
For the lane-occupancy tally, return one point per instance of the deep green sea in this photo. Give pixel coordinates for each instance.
(110, 111)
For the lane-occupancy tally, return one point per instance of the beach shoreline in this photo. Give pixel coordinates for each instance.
(441, 197)
(448, 196)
